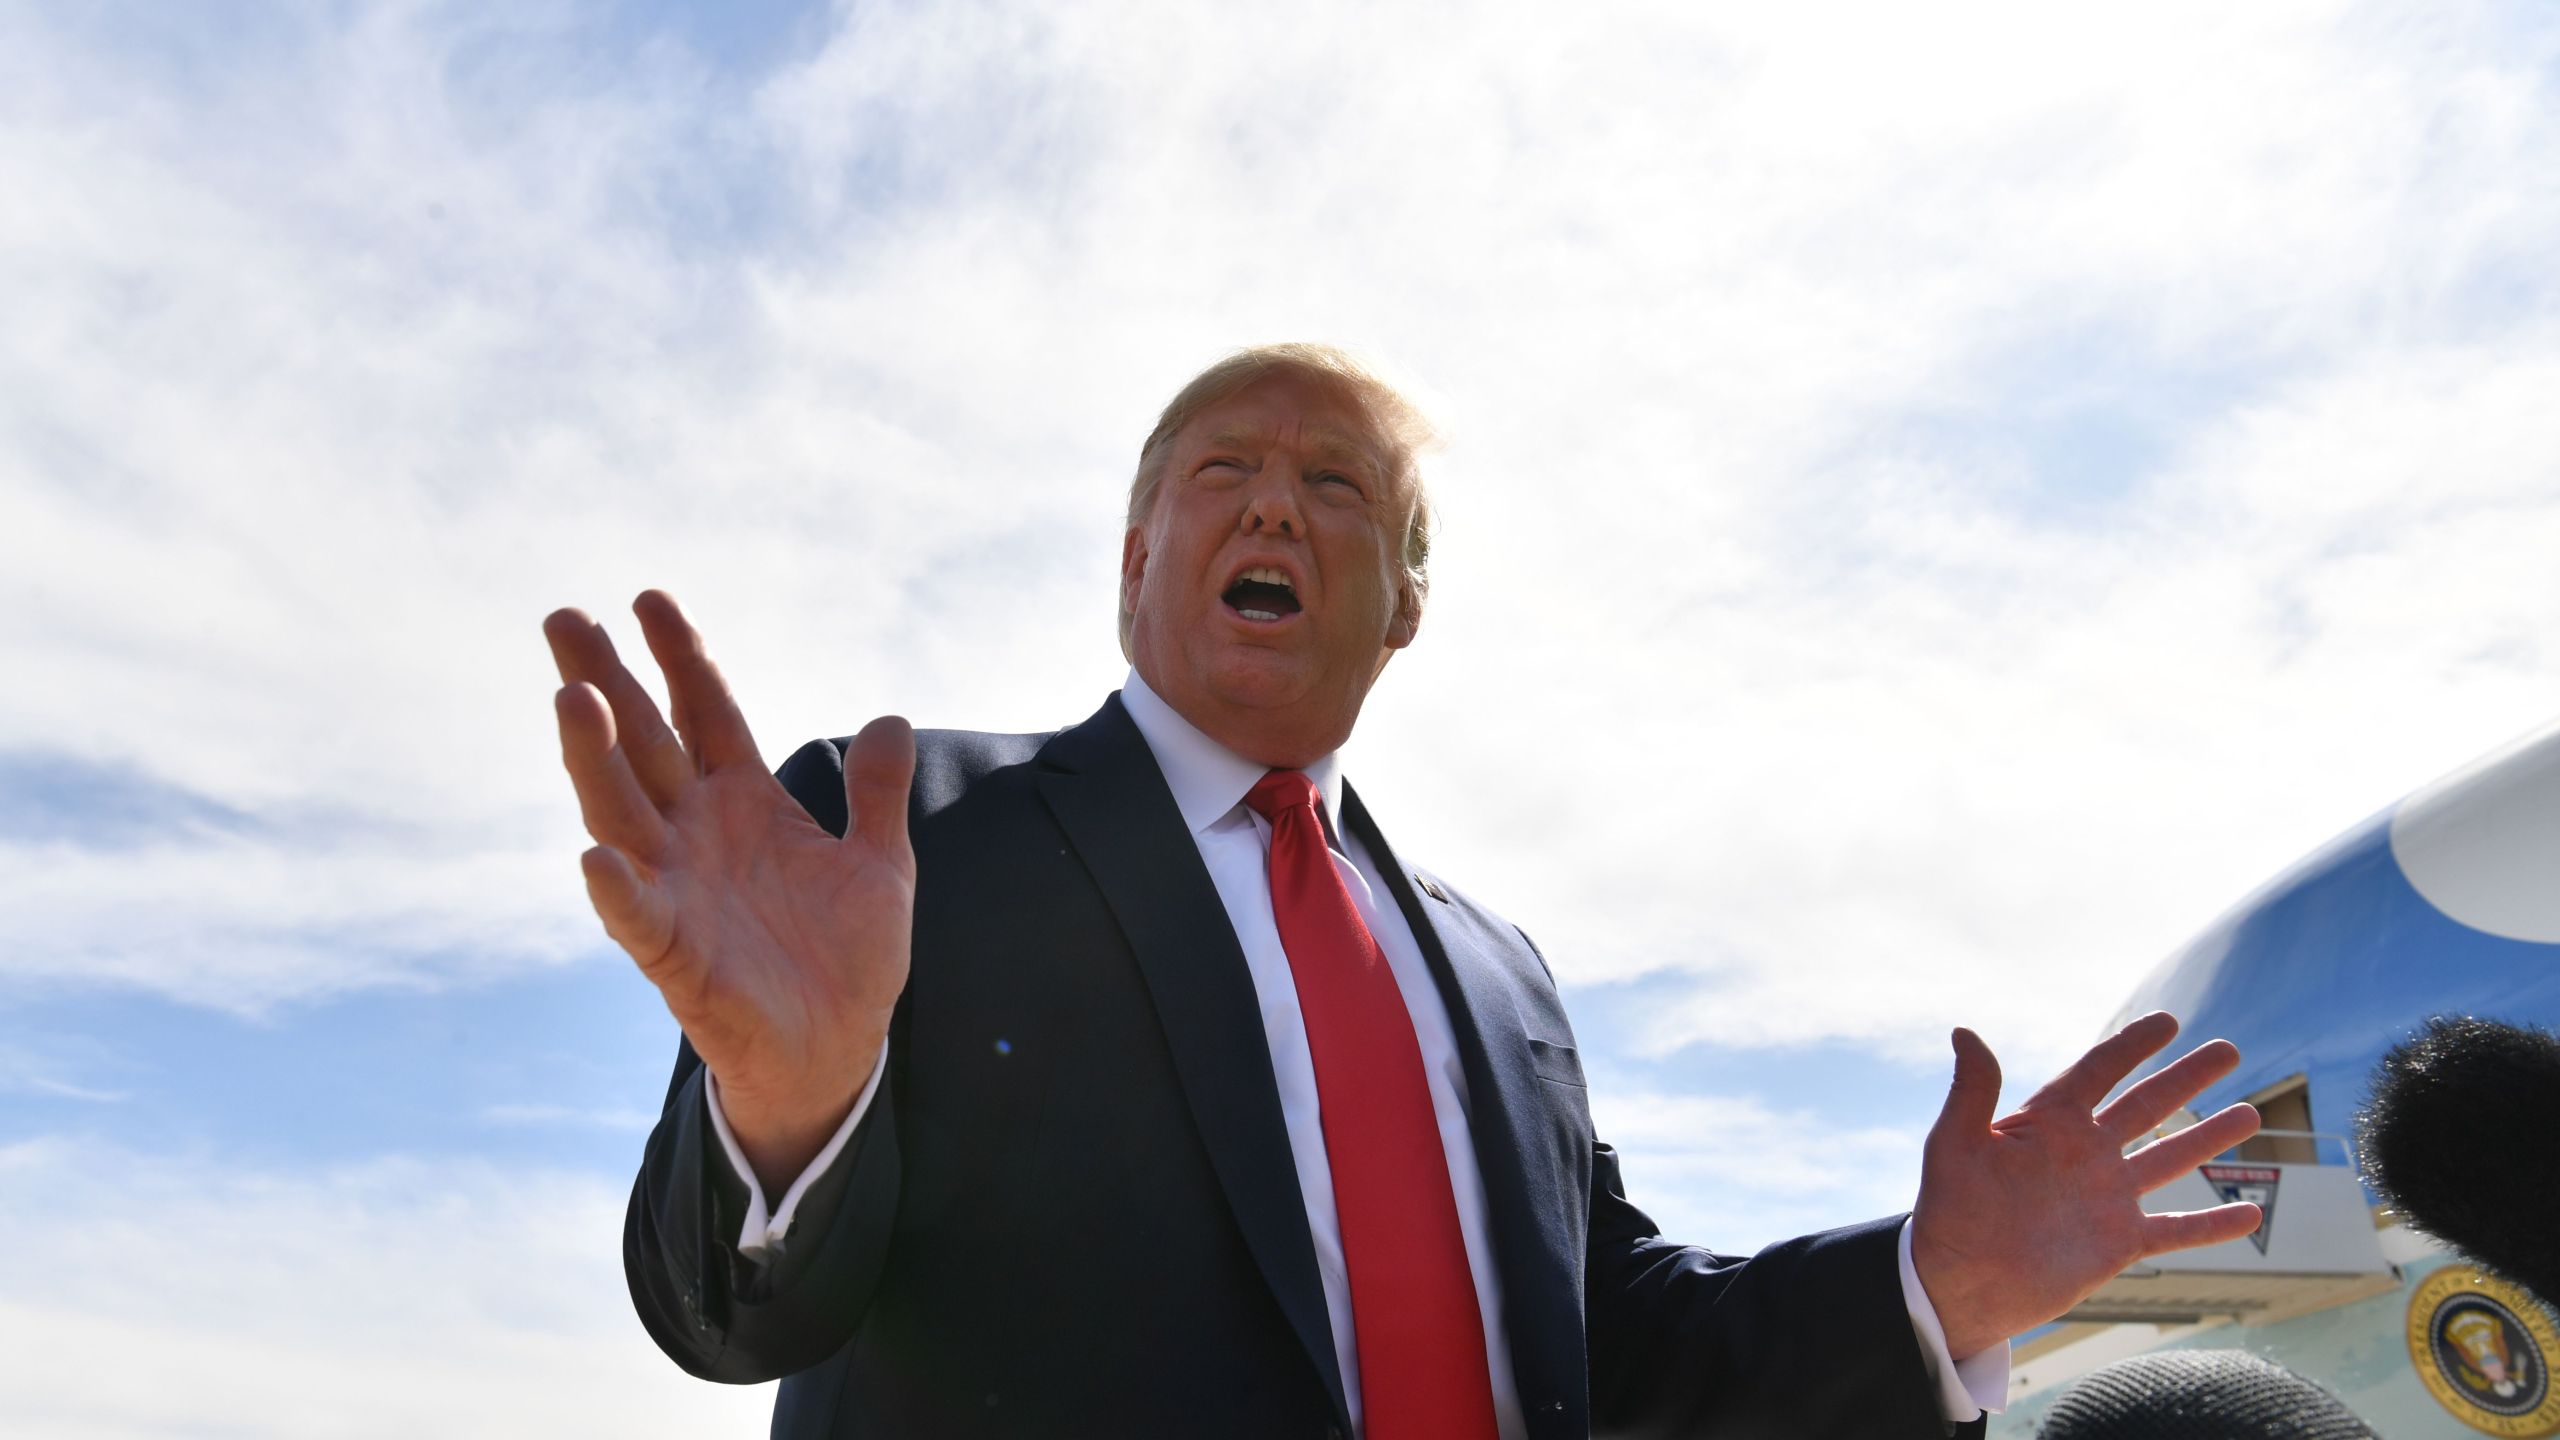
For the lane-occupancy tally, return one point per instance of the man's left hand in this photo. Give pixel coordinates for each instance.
(2022, 1216)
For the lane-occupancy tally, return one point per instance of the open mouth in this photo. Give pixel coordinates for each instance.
(1262, 594)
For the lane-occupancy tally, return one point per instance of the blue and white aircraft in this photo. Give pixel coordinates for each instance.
(2446, 903)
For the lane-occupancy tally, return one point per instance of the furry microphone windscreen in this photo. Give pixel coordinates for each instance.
(2461, 1135)
(2198, 1395)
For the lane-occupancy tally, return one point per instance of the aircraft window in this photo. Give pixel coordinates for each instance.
(2283, 1106)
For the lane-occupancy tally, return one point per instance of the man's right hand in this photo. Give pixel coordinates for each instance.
(780, 948)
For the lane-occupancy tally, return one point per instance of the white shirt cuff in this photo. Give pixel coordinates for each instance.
(765, 1228)
(1967, 1387)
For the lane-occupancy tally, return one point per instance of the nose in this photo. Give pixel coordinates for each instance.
(1271, 505)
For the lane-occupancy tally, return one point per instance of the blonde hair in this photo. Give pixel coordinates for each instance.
(1397, 420)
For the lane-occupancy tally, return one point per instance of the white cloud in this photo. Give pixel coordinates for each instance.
(634, 1120)
(1735, 1173)
(165, 1296)
(1806, 670)
(242, 923)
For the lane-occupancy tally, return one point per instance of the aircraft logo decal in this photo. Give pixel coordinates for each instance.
(2253, 1183)
(2483, 1349)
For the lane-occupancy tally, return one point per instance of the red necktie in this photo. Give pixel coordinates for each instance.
(1413, 1300)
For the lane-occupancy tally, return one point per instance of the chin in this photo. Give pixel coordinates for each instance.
(1265, 683)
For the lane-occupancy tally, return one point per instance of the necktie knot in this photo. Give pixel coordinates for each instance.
(1281, 791)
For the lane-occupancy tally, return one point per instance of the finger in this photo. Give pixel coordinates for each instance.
(635, 915)
(616, 810)
(2187, 1229)
(1973, 1096)
(2171, 1156)
(583, 651)
(2092, 1075)
(2159, 1094)
(705, 714)
(879, 766)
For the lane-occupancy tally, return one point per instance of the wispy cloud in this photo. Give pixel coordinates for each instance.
(1739, 1173)
(45, 1085)
(13, 1076)
(65, 1068)
(164, 1295)
(633, 1120)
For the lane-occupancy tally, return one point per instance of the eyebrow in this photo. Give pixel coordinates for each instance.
(1324, 443)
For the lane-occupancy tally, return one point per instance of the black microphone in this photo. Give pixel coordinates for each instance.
(2461, 1135)
(2198, 1395)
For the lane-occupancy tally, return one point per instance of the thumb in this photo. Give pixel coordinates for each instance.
(1973, 1097)
(878, 767)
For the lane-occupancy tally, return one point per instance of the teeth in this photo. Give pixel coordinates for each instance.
(1269, 576)
(1258, 614)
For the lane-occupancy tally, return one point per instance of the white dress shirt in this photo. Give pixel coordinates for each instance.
(1209, 782)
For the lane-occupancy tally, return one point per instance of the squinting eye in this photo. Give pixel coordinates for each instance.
(1339, 479)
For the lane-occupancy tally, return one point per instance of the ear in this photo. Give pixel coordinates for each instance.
(1407, 621)
(1133, 567)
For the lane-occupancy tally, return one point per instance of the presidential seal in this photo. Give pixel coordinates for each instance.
(2483, 1349)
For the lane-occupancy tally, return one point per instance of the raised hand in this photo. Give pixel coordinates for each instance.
(780, 948)
(2022, 1216)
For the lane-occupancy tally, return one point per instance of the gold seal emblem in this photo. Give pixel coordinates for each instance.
(2483, 1349)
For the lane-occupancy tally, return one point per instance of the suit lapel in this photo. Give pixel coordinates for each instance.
(1103, 785)
(1509, 1122)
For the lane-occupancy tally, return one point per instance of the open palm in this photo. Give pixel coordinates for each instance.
(2022, 1216)
(779, 948)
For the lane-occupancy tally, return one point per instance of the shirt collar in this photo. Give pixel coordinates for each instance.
(1209, 780)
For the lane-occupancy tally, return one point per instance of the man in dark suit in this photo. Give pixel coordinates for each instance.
(1124, 1081)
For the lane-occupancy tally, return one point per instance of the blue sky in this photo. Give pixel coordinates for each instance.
(1936, 507)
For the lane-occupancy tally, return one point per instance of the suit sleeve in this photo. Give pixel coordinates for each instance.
(715, 1312)
(1808, 1339)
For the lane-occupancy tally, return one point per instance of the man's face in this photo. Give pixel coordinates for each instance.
(1266, 587)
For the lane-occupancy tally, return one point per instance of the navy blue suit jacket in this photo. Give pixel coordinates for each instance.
(1072, 1210)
